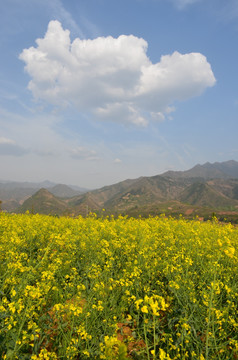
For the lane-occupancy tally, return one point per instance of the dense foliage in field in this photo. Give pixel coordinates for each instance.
(96, 288)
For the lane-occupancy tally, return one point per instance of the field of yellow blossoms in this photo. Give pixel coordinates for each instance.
(125, 288)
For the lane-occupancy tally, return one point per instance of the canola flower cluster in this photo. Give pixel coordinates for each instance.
(125, 288)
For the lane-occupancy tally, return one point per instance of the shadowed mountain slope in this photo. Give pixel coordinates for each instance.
(43, 202)
(203, 194)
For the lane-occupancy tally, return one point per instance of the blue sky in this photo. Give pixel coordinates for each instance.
(93, 92)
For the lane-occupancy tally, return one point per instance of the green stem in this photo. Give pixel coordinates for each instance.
(209, 316)
(146, 340)
(19, 333)
(154, 335)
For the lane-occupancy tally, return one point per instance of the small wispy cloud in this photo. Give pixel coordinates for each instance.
(45, 153)
(65, 16)
(8, 147)
(4, 141)
(181, 4)
(224, 11)
(228, 11)
(82, 153)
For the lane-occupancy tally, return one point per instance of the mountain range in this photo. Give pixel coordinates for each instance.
(199, 191)
(13, 194)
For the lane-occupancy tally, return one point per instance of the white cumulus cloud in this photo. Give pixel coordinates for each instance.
(112, 78)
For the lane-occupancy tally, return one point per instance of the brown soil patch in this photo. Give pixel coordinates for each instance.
(189, 211)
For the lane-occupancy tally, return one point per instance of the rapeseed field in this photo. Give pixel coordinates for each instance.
(125, 288)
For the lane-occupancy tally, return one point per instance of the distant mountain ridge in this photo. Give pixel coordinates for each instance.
(223, 170)
(35, 185)
(63, 191)
(13, 193)
(208, 186)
